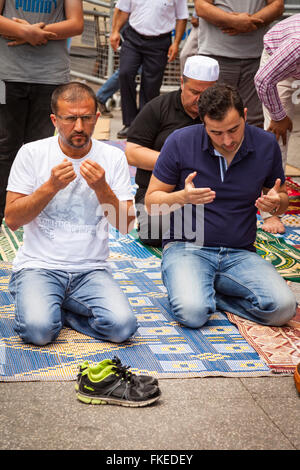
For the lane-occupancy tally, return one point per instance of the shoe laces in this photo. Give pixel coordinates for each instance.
(122, 370)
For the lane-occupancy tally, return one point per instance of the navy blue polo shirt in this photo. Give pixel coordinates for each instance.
(230, 220)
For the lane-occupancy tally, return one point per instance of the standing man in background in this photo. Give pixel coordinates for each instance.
(232, 32)
(147, 43)
(30, 74)
(276, 82)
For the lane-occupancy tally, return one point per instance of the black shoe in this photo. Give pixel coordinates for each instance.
(122, 134)
(114, 386)
(103, 110)
(143, 379)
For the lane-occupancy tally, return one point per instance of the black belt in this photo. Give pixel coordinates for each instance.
(143, 36)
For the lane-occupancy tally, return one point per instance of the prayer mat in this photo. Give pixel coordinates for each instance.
(293, 189)
(284, 256)
(161, 347)
(278, 346)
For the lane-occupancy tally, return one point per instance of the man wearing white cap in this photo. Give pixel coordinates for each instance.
(154, 123)
(211, 178)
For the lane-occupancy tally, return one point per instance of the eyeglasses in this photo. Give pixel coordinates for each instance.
(87, 118)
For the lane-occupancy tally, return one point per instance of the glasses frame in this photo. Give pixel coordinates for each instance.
(72, 119)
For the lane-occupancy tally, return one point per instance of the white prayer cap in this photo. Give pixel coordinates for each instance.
(200, 67)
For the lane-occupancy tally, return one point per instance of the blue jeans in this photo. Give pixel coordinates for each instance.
(202, 280)
(109, 88)
(90, 302)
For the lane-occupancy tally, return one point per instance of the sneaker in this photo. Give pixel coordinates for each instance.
(113, 386)
(143, 379)
(103, 110)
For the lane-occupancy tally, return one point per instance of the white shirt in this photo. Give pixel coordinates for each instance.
(154, 17)
(71, 233)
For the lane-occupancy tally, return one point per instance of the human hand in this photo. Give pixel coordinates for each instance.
(34, 34)
(195, 21)
(93, 173)
(280, 128)
(115, 38)
(62, 175)
(172, 52)
(271, 201)
(242, 23)
(194, 195)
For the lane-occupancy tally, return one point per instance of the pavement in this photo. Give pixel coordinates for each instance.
(192, 415)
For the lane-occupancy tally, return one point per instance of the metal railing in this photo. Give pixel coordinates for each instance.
(92, 57)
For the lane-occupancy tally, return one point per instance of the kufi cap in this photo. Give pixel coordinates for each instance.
(202, 68)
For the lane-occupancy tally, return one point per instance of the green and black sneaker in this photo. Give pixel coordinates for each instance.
(143, 379)
(113, 385)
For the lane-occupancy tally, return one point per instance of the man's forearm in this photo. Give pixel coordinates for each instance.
(270, 12)
(120, 214)
(179, 31)
(65, 29)
(141, 157)
(214, 15)
(119, 19)
(22, 209)
(161, 202)
(72, 25)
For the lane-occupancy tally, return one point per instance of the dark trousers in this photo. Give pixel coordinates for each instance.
(151, 228)
(152, 55)
(24, 117)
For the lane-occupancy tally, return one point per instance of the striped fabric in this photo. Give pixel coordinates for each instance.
(282, 43)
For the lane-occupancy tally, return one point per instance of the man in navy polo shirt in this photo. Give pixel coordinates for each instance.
(212, 178)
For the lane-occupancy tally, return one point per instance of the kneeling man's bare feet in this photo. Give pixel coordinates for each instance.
(273, 224)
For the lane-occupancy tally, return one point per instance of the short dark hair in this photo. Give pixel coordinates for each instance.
(216, 101)
(72, 91)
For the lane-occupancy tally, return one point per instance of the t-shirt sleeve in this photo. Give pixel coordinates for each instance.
(167, 167)
(21, 179)
(276, 169)
(124, 5)
(120, 180)
(181, 10)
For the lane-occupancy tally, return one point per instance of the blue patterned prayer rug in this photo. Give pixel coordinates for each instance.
(161, 347)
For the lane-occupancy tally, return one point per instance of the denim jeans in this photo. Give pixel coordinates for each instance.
(24, 117)
(89, 302)
(202, 280)
(109, 88)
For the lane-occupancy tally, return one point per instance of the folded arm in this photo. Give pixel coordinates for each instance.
(241, 22)
(141, 157)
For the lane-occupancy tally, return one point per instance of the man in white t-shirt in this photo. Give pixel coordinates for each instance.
(65, 190)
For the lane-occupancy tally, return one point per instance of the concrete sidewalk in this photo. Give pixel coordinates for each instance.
(214, 413)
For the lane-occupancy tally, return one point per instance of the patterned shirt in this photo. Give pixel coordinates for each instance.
(282, 43)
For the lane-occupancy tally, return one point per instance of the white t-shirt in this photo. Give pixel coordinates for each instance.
(155, 17)
(71, 233)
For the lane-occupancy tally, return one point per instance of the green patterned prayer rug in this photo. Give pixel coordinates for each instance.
(284, 256)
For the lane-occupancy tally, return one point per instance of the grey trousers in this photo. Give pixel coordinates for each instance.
(240, 73)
